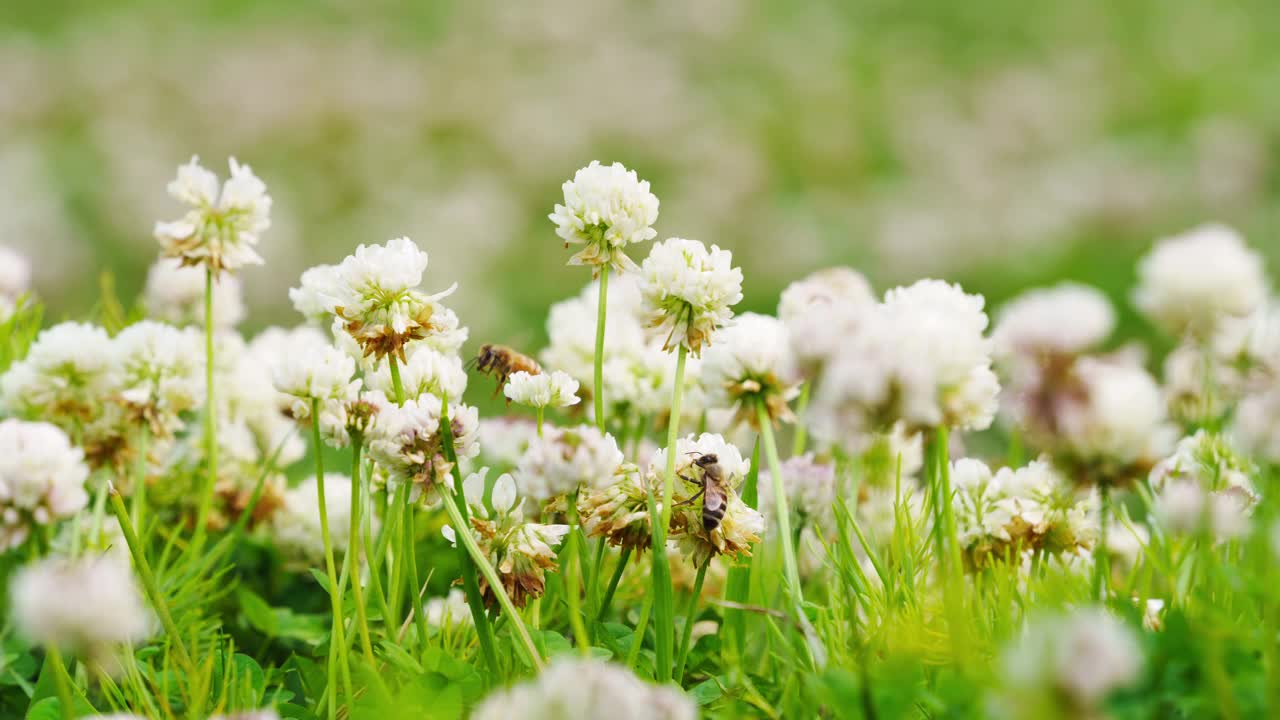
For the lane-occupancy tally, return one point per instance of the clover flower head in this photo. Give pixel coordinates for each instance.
(751, 366)
(1076, 660)
(554, 389)
(68, 372)
(321, 376)
(582, 688)
(42, 478)
(606, 208)
(820, 310)
(567, 460)
(407, 442)
(689, 292)
(221, 229)
(161, 373)
(1065, 319)
(426, 370)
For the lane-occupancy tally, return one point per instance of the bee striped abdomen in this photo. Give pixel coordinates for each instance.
(713, 506)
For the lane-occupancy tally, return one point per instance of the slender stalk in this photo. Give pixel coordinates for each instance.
(355, 545)
(139, 499)
(415, 596)
(335, 590)
(793, 589)
(802, 434)
(602, 307)
(613, 584)
(1101, 568)
(637, 639)
(541, 413)
(663, 606)
(469, 555)
(148, 579)
(396, 386)
(690, 612)
(61, 682)
(572, 575)
(673, 435)
(210, 419)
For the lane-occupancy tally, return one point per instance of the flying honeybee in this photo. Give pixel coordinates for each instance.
(713, 493)
(500, 361)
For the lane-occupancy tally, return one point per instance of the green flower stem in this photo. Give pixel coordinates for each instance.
(637, 639)
(593, 578)
(210, 419)
(738, 584)
(1101, 566)
(690, 613)
(793, 589)
(335, 590)
(354, 544)
(602, 308)
(572, 577)
(415, 594)
(138, 501)
(664, 605)
(148, 579)
(802, 435)
(470, 556)
(613, 584)
(397, 387)
(541, 413)
(61, 682)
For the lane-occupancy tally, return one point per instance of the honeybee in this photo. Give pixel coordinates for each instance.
(713, 493)
(500, 361)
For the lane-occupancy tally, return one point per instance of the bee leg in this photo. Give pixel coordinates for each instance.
(690, 500)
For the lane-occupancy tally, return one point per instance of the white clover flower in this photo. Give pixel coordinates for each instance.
(555, 389)
(295, 526)
(1065, 319)
(820, 310)
(1256, 424)
(84, 606)
(751, 365)
(888, 458)
(1188, 283)
(220, 230)
(320, 374)
(689, 292)
(175, 294)
(810, 487)
(739, 529)
(1205, 483)
(15, 274)
(67, 373)
(1120, 417)
(451, 610)
(406, 441)
(588, 689)
(161, 373)
(425, 370)
(42, 478)
(919, 357)
(1084, 656)
(375, 292)
(567, 460)
(503, 440)
(317, 287)
(606, 208)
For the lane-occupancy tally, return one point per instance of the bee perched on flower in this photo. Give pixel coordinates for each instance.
(374, 292)
(688, 292)
(522, 552)
(606, 208)
(749, 367)
(738, 528)
(221, 229)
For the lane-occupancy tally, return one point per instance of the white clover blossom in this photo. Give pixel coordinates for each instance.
(68, 372)
(567, 460)
(42, 478)
(222, 228)
(1256, 424)
(161, 372)
(606, 208)
(1065, 319)
(1120, 417)
(295, 526)
(86, 606)
(920, 357)
(751, 366)
(739, 529)
(689, 292)
(554, 389)
(317, 287)
(407, 442)
(733, 465)
(321, 375)
(1205, 483)
(425, 370)
(175, 294)
(451, 610)
(820, 310)
(503, 440)
(15, 274)
(1188, 283)
(810, 487)
(1084, 656)
(581, 688)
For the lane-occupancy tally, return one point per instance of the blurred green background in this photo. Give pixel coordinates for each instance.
(993, 142)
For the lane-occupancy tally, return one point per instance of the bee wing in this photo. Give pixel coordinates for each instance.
(715, 498)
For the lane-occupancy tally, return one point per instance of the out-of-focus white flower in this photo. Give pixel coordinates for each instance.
(554, 389)
(175, 294)
(1204, 484)
(1256, 424)
(250, 715)
(1075, 659)
(42, 478)
(810, 487)
(67, 373)
(295, 527)
(84, 606)
(375, 293)
(689, 292)
(920, 357)
(606, 208)
(1126, 543)
(425, 370)
(448, 611)
(220, 230)
(408, 443)
(821, 310)
(1119, 418)
(1065, 319)
(323, 375)
(15, 273)
(161, 372)
(1188, 283)
(567, 460)
(503, 440)
(573, 688)
(751, 365)
(317, 287)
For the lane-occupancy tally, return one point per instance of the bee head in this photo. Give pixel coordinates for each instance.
(705, 460)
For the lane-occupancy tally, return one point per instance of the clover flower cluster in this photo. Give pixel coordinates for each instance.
(295, 526)
(580, 688)
(567, 461)
(606, 208)
(15, 280)
(1205, 484)
(222, 227)
(688, 292)
(42, 479)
